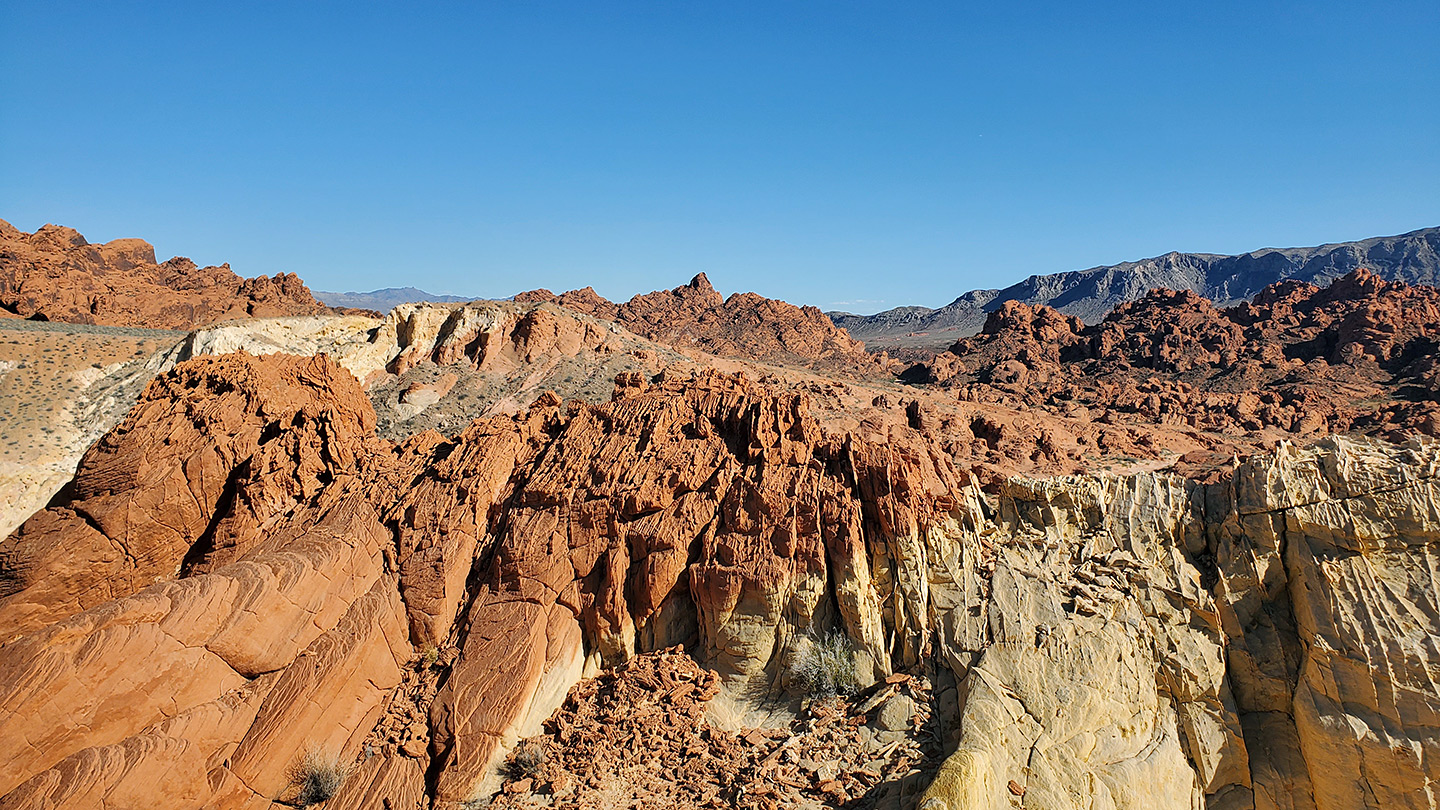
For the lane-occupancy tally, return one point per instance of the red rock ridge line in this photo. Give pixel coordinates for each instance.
(695, 316)
(1299, 360)
(54, 274)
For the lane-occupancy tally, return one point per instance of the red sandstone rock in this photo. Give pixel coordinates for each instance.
(55, 275)
(243, 572)
(207, 458)
(291, 550)
(1296, 361)
(584, 300)
(695, 316)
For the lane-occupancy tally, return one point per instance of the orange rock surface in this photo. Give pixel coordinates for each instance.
(1297, 361)
(695, 316)
(54, 274)
(242, 572)
(244, 576)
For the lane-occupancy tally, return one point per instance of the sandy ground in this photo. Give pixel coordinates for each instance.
(58, 387)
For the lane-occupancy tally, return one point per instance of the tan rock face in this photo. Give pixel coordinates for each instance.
(243, 574)
(55, 275)
(1259, 605)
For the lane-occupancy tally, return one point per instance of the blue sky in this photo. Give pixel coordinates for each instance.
(849, 155)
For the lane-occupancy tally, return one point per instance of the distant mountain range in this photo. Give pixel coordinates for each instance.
(1413, 258)
(386, 299)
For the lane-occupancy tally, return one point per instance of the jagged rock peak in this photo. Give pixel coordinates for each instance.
(696, 316)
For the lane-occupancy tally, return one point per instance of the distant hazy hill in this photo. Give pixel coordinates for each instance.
(1413, 258)
(384, 300)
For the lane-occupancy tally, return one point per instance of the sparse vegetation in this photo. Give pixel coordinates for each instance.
(824, 665)
(38, 385)
(429, 656)
(318, 776)
(527, 759)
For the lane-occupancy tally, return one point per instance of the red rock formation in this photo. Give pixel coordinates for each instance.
(746, 325)
(1298, 360)
(243, 567)
(584, 300)
(243, 573)
(54, 274)
(234, 434)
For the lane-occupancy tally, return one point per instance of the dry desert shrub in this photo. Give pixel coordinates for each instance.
(527, 759)
(318, 776)
(824, 665)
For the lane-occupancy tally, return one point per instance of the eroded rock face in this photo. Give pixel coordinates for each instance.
(696, 317)
(55, 275)
(1297, 361)
(281, 581)
(1255, 606)
(147, 499)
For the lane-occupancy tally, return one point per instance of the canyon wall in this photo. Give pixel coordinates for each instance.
(1265, 642)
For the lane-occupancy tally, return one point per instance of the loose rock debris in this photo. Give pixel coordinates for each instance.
(636, 737)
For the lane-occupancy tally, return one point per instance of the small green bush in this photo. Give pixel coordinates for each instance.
(319, 776)
(824, 665)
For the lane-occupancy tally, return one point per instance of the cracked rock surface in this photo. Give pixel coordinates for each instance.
(246, 572)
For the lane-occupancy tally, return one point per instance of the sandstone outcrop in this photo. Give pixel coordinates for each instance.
(1243, 601)
(1298, 361)
(696, 317)
(55, 275)
(244, 573)
(438, 366)
(388, 543)
(62, 387)
(146, 497)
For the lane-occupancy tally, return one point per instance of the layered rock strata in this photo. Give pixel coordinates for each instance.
(243, 573)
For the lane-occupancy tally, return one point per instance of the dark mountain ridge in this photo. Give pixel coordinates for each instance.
(386, 299)
(1412, 258)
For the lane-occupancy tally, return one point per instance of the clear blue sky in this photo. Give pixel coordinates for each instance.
(849, 155)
